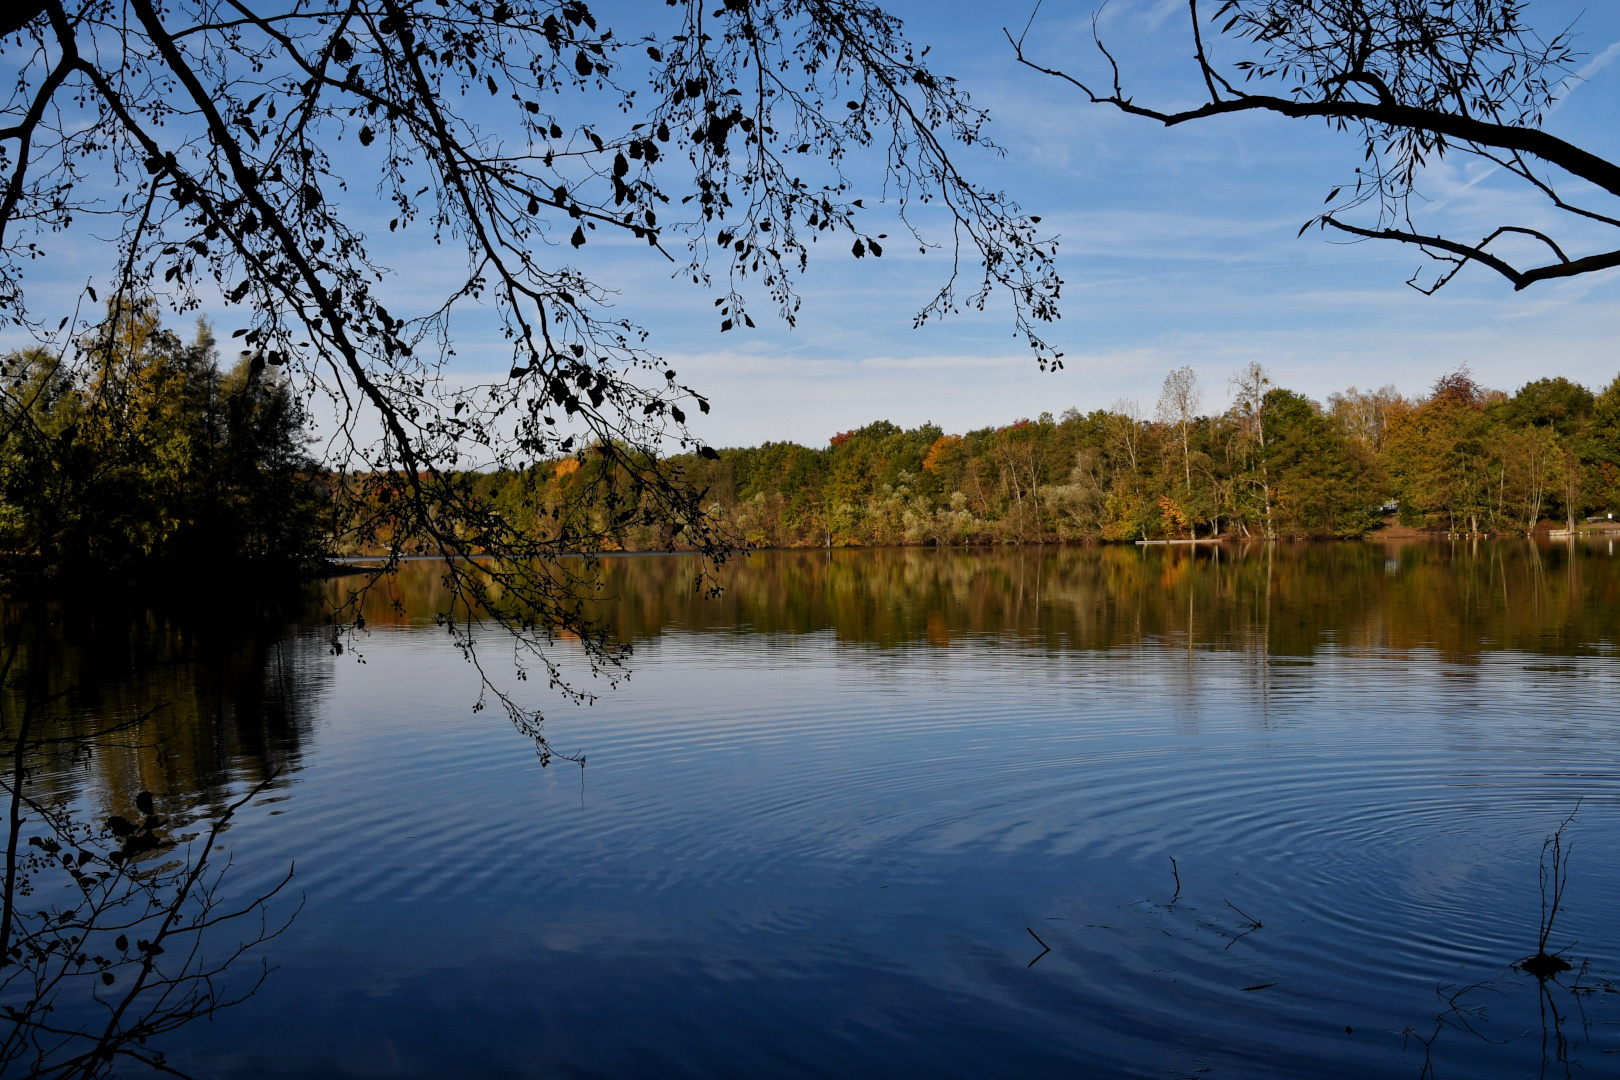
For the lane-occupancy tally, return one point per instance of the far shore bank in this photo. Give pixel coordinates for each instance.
(343, 565)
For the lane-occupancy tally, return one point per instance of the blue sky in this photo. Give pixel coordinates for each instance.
(1178, 247)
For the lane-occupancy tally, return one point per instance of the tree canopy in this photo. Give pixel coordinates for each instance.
(155, 458)
(1274, 464)
(249, 154)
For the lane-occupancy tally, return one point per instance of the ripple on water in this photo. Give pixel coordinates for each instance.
(812, 834)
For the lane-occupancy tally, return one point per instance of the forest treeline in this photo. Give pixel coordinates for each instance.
(142, 453)
(154, 455)
(1275, 464)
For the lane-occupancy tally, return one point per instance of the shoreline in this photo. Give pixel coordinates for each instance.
(344, 565)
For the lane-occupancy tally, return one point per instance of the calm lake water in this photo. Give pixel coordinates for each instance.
(821, 827)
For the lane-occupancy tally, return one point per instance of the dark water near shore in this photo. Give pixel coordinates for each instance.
(821, 827)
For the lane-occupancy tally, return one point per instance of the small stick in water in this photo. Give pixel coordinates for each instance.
(1045, 948)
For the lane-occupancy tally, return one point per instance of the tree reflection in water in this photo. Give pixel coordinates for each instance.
(130, 740)
(1276, 606)
(1287, 600)
(198, 708)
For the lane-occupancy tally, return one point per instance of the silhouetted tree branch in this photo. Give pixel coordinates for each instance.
(1412, 79)
(243, 150)
(110, 934)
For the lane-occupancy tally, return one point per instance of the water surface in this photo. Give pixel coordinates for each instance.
(1275, 811)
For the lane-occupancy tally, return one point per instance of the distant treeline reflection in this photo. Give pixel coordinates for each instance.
(1459, 598)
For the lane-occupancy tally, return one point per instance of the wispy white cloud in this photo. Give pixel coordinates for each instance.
(1586, 73)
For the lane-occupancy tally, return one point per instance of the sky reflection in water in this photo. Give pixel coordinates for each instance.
(823, 824)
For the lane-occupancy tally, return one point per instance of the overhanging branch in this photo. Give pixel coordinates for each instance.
(1521, 279)
(1475, 81)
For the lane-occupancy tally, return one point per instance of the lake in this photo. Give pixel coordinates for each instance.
(1274, 810)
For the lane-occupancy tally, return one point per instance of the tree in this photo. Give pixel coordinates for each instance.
(1535, 455)
(1441, 454)
(1125, 428)
(1251, 385)
(1413, 80)
(1606, 443)
(1326, 483)
(1567, 469)
(235, 149)
(1364, 415)
(1557, 403)
(156, 458)
(1178, 407)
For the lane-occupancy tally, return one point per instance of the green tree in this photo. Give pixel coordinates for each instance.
(1326, 483)
(1605, 435)
(154, 459)
(1441, 456)
(1555, 403)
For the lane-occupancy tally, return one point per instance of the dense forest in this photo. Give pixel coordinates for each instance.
(1460, 459)
(142, 454)
(155, 456)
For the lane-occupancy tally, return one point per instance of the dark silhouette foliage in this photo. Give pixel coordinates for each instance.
(115, 929)
(254, 152)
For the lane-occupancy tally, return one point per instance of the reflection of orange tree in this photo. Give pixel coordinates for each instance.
(1460, 600)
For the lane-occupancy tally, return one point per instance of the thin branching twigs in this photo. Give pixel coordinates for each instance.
(1414, 81)
(110, 934)
(245, 145)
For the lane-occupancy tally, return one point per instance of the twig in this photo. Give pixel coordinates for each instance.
(1544, 965)
(1045, 948)
(1254, 924)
